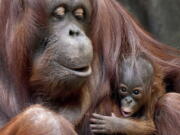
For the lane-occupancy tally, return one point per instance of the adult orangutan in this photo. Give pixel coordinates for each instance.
(45, 57)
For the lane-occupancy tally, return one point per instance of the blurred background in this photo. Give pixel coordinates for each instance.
(159, 17)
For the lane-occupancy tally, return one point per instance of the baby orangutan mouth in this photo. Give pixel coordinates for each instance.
(126, 112)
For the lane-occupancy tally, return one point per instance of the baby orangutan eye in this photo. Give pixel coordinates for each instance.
(136, 92)
(123, 88)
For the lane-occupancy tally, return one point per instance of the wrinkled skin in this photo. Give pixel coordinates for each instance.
(62, 62)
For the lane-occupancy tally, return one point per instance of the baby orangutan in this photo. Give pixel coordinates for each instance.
(136, 94)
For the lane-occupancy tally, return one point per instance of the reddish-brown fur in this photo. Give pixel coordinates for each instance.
(18, 34)
(113, 32)
(168, 114)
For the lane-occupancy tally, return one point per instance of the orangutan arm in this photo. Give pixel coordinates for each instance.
(113, 124)
(37, 120)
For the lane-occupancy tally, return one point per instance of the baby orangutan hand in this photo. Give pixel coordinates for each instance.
(104, 124)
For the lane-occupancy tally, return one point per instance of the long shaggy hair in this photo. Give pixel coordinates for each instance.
(19, 30)
(113, 31)
(116, 34)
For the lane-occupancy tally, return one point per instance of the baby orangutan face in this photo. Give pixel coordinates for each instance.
(132, 99)
(134, 88)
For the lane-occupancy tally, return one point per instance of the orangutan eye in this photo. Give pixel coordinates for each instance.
(79, 13)
(123, 89)
(60, 12)
(136, 92)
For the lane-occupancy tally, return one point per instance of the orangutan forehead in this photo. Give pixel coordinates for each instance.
(137, 71)
(69, 2)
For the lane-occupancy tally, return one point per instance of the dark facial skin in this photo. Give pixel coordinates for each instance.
(131, 100)
(62, 62)
(133, 93)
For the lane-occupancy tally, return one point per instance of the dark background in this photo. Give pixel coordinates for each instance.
(159, 17)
